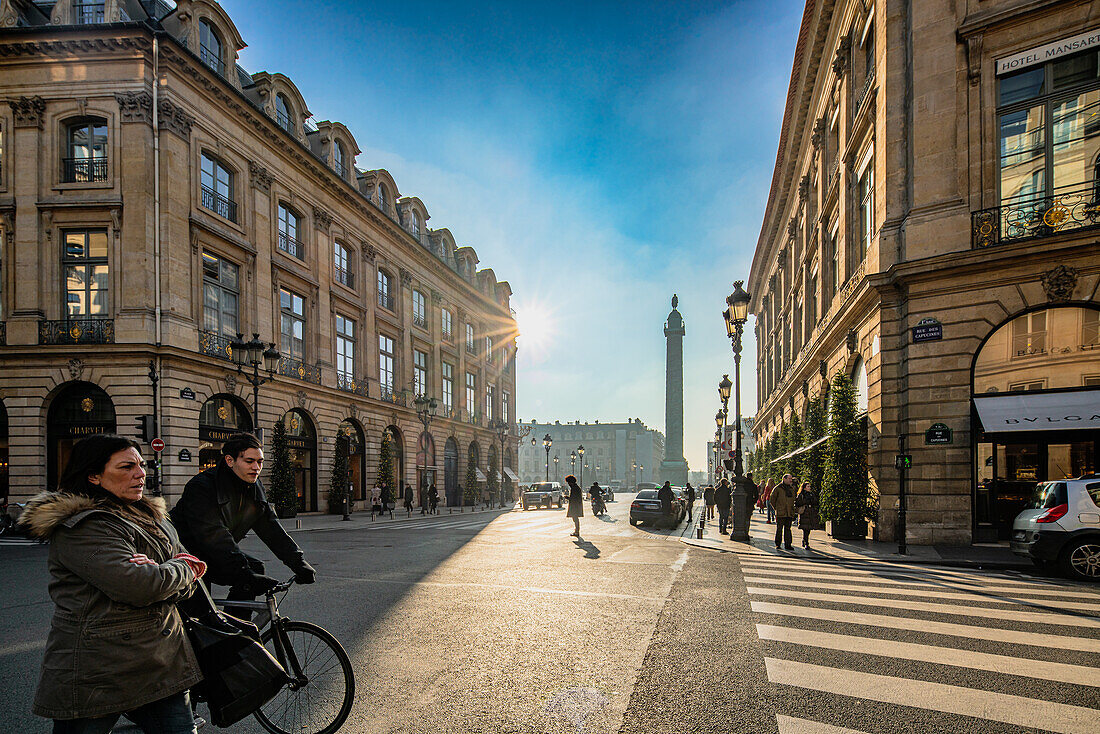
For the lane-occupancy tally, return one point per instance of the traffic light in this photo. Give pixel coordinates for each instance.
(145, 428)
(903, 461)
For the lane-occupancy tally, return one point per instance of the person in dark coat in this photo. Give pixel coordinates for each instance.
(433, 499)
(664, 494)
(708, 500)
(783, 502)
(723, 498)
(576, 504)
(387, 501)
(408, 500)
(806, 504)
(217, 509)
(689, 497)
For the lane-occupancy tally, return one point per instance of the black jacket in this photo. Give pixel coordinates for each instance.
(723, 497)
(216, 511)
(665, 495)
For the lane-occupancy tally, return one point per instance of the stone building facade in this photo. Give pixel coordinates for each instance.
(629, 452)
(156, 200)
(931, 231)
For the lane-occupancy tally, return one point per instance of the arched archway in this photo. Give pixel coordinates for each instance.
(1035, 388)
(450, 472)
(350, 430)
(220, 416)
(79, 409)
(301, 439)
(859, 382)
(398, 446)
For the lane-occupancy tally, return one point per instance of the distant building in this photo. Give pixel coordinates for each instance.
(630, 452)
(697, 478)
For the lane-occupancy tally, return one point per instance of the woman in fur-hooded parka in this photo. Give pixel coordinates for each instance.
(116, 641)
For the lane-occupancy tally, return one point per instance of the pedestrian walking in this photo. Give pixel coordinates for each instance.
(806, 504)
(433, 500)
(708, 500)
(723, 498)
(387, 501)
(689, 497)
(576, 504)
(375, 501)
(783, 503)
(408, 501)
(664, 494)
(116, 644)
(767, 496)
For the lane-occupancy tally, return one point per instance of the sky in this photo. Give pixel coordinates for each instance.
(599, 156)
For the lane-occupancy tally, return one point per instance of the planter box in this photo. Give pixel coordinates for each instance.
(288, 513)
(848, 529)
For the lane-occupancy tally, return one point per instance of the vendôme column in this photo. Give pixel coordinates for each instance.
(674, 469)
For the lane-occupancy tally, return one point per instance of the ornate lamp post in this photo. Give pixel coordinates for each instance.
(719, 419)
(501, 426)
(255, 353)
(580, 450)
(572, 462)
(547, 442)
(736, 314)
(557, 458)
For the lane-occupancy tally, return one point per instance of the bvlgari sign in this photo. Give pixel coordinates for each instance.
(1049, 52)
(1039, 411)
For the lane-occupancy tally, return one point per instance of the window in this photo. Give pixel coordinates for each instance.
(289, 223)
(490, 398)
(1029, 334)
(833, 252)
(1049, 131)
(338, 158)
(282, 113)
(445, 317)
(420, 372)
(811, 301)
(221, 293)
(293, 314)
(381, 197)
(448, 387)
(85, 263)
(88, 13)
(217, 188)
(471, 392)
(1029, 385)
(866, 194)
(471, 345)
(489, 349)
(385, 296)
(505, 408)
(85, 152)
(345, 348)
(420, 316)
(415, 224)
(1090, 327)
(385, 365)
(210, 47)
(341, 259)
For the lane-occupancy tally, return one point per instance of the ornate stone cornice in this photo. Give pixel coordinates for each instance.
(817, 138)
(840, 59)
(369, 252)
(406, 277)
(1060, 283)
(322, 218)
(174, 119)
(259, 176)
(28, 111)
(74, 46)
(135, 106)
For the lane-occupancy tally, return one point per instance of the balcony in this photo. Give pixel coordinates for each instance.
(299, 370)
(218, 204)
(77, 331)
(474, 419)
(347, 383)
(421, 321)
(212, 60)
(451, 412)
(385, 300)
(88, 13)
(471, 349)
(291, 246)
(1031, 217)
(213, 344)
(84, 170)
(388, 395)
(345, 277)
(863, 93)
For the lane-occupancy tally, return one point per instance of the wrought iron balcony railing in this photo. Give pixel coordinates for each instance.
(88, 13)
(299, 370)
(1032, 217)
(867, 85)
(385, 300)
(291, 246)
(346, 277)
(421, 321)
(474, 419)
(449, 411)
(218, 204)
(215, 345)
(347, 383)
(84, 170)
(397, 397)
(340, 169)
(77, 331)
(212, 59)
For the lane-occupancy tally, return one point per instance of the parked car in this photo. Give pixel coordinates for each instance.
(1061, 527)
(647, 508)
(542, 494)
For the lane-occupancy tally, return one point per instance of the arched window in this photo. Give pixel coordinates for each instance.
(217, 187)
(341, 261)
(338, 158)
(385, 292)
(381, 198)
(282, 113)
(85, 151)
(210, 47)
(859, 381)
(289, 224)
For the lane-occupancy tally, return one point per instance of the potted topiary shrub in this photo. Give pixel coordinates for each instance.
(470, 492)
(281, 490)
(845, 493)
(338, 484)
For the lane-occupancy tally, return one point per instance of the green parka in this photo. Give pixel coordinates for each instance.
(116, 641)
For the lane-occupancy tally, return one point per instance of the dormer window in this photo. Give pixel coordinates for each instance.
(338, 158)
(381, 199)
(415, 225)
(282, 113)
(88, 13)
(210, 47)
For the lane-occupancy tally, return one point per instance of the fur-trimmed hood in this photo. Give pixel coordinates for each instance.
(46, 510)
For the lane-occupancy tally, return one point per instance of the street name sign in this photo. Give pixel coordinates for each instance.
(927, 330)
(937, 433)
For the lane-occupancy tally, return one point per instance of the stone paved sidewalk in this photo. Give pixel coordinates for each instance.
(322, 521)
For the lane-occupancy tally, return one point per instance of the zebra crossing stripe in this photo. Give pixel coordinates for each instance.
(791, 725)
(994, 634)
(1001, 707)
(1029, 667)
(921, 606)
(939, 593)
(816, 570)
(802, 579)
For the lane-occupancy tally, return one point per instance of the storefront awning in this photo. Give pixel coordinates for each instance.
(479, 474)
(511, 474)
(1039, 411)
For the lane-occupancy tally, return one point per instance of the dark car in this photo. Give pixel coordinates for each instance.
(647, 508)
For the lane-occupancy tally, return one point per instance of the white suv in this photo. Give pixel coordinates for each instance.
(1062, 526)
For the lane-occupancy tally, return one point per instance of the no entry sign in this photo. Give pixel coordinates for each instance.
(157, 444)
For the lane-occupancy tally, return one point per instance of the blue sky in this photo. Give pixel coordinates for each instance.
(600, 156)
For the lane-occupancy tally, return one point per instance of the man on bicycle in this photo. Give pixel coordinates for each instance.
(218, 508)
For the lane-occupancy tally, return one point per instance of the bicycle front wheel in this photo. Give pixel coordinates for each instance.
(323, 702)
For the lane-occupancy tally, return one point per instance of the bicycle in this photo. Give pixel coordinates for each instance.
(322, 684)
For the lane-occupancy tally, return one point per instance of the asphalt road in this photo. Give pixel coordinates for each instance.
(504, 623)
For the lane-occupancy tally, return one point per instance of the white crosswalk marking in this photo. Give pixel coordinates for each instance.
(1016, 620)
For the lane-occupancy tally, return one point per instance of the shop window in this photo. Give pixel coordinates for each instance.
(216, 181)
(86, 274)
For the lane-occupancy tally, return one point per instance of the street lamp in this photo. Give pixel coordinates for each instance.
(580, 450)
(425, 411)
(557, 458)
(547, 442)
(501, 426)
(255, 353)
(572, 461)
(736, 314)
(719, 419)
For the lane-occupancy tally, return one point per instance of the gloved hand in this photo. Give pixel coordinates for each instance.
(261, 584)
(305, 574)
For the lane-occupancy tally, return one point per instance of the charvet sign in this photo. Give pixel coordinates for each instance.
(1049, 52)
